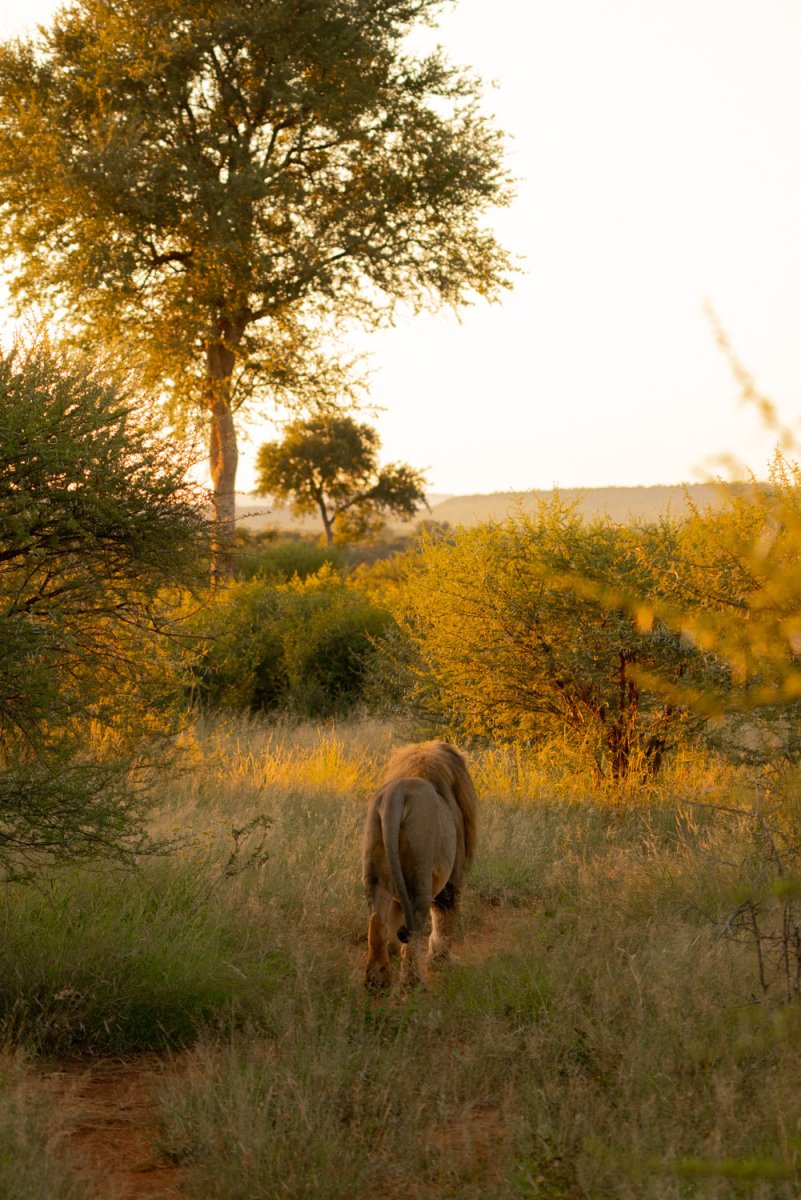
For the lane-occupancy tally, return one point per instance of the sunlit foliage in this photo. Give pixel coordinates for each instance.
(538, 625)
(731, 586)
(219, 184)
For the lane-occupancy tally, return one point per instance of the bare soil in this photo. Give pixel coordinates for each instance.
(107, 1112)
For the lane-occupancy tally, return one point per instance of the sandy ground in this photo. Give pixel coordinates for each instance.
(107, 1109)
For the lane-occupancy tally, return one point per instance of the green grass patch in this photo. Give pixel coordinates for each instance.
(126, 961)
(507, 989)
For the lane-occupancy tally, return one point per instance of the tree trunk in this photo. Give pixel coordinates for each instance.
(328, 524)
(621, 736)
(223, 453)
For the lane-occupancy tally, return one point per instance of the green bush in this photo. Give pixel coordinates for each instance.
(283, 558)
(305, 646)
(99, 532)
(237, 657)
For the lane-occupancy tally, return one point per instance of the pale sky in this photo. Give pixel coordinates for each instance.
(658, 152)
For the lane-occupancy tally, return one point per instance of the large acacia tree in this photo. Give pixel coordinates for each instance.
(214, 181)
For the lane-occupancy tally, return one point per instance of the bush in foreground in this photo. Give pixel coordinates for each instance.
(121, 961)
(97, 528)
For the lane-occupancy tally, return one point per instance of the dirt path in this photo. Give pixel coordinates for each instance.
(107, 1110)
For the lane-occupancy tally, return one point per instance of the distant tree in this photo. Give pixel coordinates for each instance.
(212, 183)
(97, 527)
(329, 464)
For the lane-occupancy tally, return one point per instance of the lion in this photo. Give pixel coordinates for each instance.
(419, 839)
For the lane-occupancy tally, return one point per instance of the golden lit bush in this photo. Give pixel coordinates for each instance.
(540, 625)
(730, 586)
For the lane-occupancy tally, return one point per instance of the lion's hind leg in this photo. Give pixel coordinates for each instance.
(395, 930)
(444, 921)
(377, 974)
(411, 955)
(414, 946)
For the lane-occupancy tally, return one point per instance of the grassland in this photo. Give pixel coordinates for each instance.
(601, 1033)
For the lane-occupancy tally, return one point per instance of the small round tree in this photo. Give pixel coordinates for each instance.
(329, 464)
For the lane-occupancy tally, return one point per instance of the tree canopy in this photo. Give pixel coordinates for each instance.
(97, 526)
(329, 464)
(219, 182)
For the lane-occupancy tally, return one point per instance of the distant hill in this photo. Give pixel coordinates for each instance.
(621, 504)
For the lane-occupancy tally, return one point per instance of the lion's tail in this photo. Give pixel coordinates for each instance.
(391, 810)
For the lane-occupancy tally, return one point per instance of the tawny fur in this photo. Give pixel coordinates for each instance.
(420, 837)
